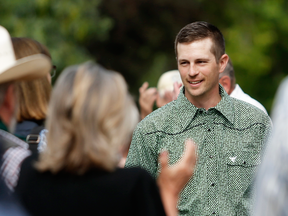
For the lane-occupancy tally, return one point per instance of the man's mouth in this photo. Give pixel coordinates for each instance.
(194, 82)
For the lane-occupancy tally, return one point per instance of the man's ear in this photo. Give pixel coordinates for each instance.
(225, 81)
(223, 62)
(8, 105)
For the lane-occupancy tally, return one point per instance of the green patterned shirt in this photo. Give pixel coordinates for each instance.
(230, 138)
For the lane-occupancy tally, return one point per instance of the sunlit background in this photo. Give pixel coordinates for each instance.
(136, 37)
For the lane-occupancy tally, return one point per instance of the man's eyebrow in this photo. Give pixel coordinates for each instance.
(182, 59)
(202, 59)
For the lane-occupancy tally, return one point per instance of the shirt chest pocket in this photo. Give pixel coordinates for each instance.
(243, 159)
(241, 167)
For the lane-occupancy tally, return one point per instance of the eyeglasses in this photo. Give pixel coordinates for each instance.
(53, 71)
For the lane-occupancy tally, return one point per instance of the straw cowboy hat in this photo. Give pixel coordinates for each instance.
(31, 67)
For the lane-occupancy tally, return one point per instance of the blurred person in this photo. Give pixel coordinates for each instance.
(271, 187)
(228, 81)
(91, 118)
(34, 94)
(229, 133)
(12, 149)
(167, 90)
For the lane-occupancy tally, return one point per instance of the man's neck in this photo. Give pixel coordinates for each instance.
(205, 102)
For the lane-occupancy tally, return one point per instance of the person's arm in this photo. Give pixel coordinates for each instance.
(142, 151)
(10, 168)
(172, 179)
(146, 99)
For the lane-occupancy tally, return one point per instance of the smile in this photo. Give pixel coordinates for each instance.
(194, 82)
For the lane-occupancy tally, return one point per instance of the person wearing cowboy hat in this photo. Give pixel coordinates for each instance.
(12, 149)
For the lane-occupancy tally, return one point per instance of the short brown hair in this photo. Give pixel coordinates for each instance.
(34, 95)
(201, 30)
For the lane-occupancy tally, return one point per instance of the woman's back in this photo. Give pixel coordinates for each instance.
(97, 192)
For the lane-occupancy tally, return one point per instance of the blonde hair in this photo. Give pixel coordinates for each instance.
(34, 95)
(91, 116)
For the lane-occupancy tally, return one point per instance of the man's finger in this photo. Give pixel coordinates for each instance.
(143, 87)
(163, 159)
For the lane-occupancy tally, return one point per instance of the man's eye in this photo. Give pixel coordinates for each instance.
(201, 62)
(183, 63)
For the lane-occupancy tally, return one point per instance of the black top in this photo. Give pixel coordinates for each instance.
(123, 192)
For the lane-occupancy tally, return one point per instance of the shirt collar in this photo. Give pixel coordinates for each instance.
(225, 106)
(186, 110)
(237, 91)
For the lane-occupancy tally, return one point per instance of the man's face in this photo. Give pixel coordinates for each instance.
(199, 70)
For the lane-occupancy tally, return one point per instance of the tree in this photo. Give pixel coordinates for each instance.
(136, 38)
(63, 26)
(141, 45)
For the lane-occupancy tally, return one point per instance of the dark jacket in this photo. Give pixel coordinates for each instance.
(126, 192)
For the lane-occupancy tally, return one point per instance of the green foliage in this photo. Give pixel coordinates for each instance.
(255, 33)
(63, 26)
(136, 38)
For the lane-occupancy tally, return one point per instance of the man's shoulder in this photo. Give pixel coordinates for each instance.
(241, 95)
(246, 112)
(9, 140)
(159, 117)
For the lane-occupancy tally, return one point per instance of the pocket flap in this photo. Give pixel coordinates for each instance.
(243, 158)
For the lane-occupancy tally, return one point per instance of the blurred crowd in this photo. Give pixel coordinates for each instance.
(197, 145)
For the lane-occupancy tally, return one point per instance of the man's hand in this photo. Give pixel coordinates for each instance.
(176, 90)
(169, 95)
(146, 99)
(172, 179)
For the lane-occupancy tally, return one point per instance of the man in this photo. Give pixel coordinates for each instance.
(167, 90)
(12, 149)
(229, 133)
(228, 81)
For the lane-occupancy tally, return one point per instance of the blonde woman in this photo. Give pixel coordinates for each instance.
(90, 120)
(34, 95)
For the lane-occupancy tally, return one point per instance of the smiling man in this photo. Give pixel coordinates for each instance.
(230, 133)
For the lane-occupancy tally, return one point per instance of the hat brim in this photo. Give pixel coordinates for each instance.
(27, 68)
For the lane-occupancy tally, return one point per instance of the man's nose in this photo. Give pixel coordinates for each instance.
(193, 71)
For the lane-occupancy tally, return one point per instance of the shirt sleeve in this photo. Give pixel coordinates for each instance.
(10, 168)
(142, 152)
